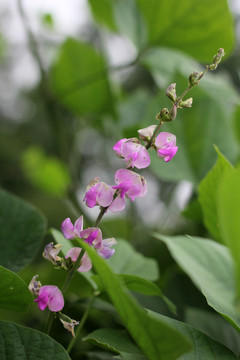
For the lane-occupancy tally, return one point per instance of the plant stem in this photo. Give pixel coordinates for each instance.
(48, 323)
(71, 272)
(80, 326)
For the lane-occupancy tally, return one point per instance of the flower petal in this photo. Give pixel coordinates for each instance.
(68, 229)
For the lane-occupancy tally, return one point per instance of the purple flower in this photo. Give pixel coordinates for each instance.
(99, 194)
(51, 251)
(165, 144)
(104, 251)
(50, 296)
(86, 263)
(129, 184)
(133, 152)
(71, 231)
(93, 236)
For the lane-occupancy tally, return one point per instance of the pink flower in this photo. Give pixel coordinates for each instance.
(50, 296)
(104, 251)
(93, 236)
(134, 153)
(129, 184)
(86, 263)
(165, 144)
(71, 231)
(99, 194)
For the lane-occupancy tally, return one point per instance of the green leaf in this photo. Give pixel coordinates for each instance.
(47, 173)
(103, 13)
(14, 291)
(180, 24)
(127, 260)
(208, 194)
(156, 341)
(228, 212)
(114, 340)
(21, 343)
(203, 347)
(22, 228)
(197, 131)
(209, 265)
(79, 79)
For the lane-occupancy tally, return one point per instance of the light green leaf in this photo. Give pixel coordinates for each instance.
(209, 265)
(22, 228)
(203, 347)
(127, 260)
(103, 13)
(208, 194)
(21, 343)
(79, 79)
(114, 340)
(47, 173)
(180, 24)
(14, 291)
(156, 341)
(228, 212)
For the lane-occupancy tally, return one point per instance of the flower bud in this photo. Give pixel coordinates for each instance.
(171, 92)
(193, 78)
(186, 103)
(34, 285)
(146, 133)
(163, 115)
(217, 59)
(173, 113)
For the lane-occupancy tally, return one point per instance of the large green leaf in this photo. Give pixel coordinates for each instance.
(228, 212)
(22, 343)
(208, 194)
(203, 347)
(47, 173)
(22, 228)
(197, 27)
(156, 341)
(14, 291)
(103, 13)
(210, 267)
(116, 341)
(127, 260)
(197, 130)
(79, 79)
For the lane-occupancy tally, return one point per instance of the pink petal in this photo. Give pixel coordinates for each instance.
(73, 253)
(138, 187)
(135, 154)
(105, 251)
(55, 298)
(117, 147)
(86, 263)
(167, 153)
(90, 197)
(78, 226)
(42, 300)
(87, 235)
(68, 229)
(165, 139)
(104, 194)
(117, 205)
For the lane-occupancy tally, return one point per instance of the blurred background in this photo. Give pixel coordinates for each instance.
(76, 77)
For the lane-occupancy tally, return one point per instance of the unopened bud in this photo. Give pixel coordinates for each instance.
(217, 59)
(171, 92)
(146, 133)
(173, 113)
(193, 78)
(186, 103)
(163, 115)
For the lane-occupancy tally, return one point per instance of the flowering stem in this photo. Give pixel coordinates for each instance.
(80, 326)
(150, 142)
(71, 272)
(103, 210)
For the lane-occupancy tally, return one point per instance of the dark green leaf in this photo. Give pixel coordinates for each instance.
(156, 341)
(114, 340)
(203, 347)
(210, 267)
(228, 212)
(208, 194)
(22, 228)
(14, 291)
(22, 343)
(79, 79)
(180, 24)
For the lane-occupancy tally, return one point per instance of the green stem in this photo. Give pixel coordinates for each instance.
(150, 142)
(72, 271)
(48, 323)
(80, 326)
